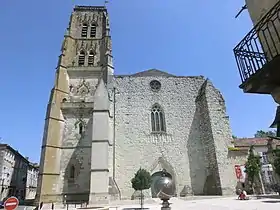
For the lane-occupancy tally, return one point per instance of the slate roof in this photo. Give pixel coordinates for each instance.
(152, 72)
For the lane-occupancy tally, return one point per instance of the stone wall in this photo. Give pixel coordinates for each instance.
(137, 147)
(218, 140)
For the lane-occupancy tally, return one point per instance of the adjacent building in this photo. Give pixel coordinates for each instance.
(15, 171)
(31, 182)
(257, 54)
(262, 147)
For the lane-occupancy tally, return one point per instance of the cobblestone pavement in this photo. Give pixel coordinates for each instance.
(212, 204)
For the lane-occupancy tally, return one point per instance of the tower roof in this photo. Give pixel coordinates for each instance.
(89, 8)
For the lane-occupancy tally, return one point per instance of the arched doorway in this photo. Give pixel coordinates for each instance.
(155, 185)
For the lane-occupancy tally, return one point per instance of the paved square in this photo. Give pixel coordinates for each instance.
(213, 204)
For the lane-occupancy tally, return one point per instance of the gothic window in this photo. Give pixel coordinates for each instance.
(72, 172)
(91, 58)
(93, 31)
(81, 60)
(157, 119)
(84, 31)
(81, 127)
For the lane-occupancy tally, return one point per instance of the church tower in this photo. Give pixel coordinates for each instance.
(74, 155)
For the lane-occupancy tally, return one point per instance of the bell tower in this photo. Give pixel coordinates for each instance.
(86, 58)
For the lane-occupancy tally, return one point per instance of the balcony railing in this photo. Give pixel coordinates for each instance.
(260, 45)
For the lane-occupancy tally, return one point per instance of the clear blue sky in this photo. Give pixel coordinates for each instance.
(179, 36)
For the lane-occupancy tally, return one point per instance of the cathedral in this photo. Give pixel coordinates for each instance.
(100, 128)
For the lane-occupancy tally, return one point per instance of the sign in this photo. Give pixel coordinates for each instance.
(11, 203)
(238, 171)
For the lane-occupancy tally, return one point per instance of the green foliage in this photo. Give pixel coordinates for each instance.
(142, 180)
(264, 134)
(234, 137)
(253, 165)
(276, 162)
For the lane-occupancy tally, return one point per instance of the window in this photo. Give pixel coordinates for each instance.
(81, 61)
(157, 119)
(155, 85)
(265, 158)
(84, 31)
(64, 100)
(72, 172)
(90, 58)
(81, 128)
(93, 31)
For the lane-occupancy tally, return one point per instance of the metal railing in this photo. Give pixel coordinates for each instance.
(259, 46)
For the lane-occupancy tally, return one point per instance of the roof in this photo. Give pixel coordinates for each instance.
(247, 142)
(154, 73)
(88, 8)
(6, 146)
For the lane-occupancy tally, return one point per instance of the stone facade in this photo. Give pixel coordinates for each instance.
(100, 127)
(31, 182)
(13, 170)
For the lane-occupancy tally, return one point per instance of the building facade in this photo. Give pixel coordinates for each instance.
(101, 128)
(13, 170)
(262, 147)
(32, 179)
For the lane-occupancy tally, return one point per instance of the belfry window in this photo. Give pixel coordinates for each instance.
(72, 172)
(157, 119)
(81, 128)
(84, 31)
(81, 60)
(93, 31)
(91, 58)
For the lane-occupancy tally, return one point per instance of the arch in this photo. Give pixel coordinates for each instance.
(93, 30)
(84, 30)
(157, 119)
(64, 100)
(91, 58)
(81, 60)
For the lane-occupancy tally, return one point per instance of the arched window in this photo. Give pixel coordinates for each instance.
(93, 31)
(84, 31)
(91, 58)
(81, 60)
(64, 100)
(157, 119)
(81, 127)
(72, 172)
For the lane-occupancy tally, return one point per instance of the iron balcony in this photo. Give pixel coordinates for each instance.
(257, 55)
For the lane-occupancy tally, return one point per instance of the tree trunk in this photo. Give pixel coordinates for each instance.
(141, 200)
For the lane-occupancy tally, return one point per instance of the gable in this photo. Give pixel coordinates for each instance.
(152, 72)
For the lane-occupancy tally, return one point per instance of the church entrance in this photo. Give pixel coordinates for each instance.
(155, 185)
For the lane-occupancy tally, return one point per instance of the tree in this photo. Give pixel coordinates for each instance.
(234, 137)
(141, 181)
(264, 134)
(276, 161)
(252, 166)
